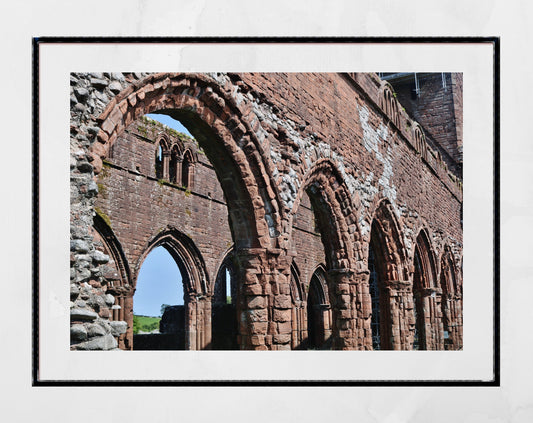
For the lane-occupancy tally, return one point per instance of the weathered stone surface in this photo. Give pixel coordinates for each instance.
(256, 302)
(118, 328)
(79, 246)
(107, 342)
(303, 200)
(78, 333)
(95, 330)
(77, 314)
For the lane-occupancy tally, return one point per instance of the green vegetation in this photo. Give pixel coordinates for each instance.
(145, 324)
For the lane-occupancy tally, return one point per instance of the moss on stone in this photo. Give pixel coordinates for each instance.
(102, 189)
(104, 216)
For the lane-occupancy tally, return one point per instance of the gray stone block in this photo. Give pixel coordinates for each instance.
(107, 342)
(94, 330)
(82, 314)
(118, 328)
(78, 333)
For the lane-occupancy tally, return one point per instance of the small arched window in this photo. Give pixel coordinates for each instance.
(161, 159)
(424, 282)
(317, 312)
(187, 175)
(174, 165)
(389, 104)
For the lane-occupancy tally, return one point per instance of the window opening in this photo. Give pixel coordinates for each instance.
(374, 294)
(158, 304)
(224, 315)
(418, 343)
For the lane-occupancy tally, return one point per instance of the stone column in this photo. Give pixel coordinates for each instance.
(190, 324)
(432, 312)
(364, 312)
(252, 299)
(343, 298)
(454, 315)
(264, 305)
(401, 324)
(166, 162)
(177, 176)
(208, 322)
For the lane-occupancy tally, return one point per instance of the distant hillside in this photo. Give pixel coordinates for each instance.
(145, 324)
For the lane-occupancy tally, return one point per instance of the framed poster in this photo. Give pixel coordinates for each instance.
(327, 124)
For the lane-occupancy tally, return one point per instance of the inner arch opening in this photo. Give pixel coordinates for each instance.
(158, 304)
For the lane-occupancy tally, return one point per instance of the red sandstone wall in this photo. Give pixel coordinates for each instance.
(433, 109)
(139, 206)
(328, 106)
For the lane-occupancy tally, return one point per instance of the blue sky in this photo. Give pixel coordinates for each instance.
(171, 123)
(159, 281)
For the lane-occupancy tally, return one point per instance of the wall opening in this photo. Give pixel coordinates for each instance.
(224, 314)
(318, 325)
(374, 294)
(377, 265)
(418, 305)
(426, 298)
(158, 304)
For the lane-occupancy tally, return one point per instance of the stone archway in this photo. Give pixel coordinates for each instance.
(391, 313)
(451, 302)
(197, 304)
(427, 297)
(331, 202)
(221, 129)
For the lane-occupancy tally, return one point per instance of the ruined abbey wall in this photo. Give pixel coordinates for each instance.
(295, 176)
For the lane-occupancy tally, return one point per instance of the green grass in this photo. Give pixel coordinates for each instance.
(145, 323)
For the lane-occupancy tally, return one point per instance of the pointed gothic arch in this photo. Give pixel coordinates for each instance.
(221, 128)
(116, 273)
(195, 284)
(451, 302)
(427, 296)
(318, 311)
(388, 287)
(334, 214)
(162, 155)
(224, 325)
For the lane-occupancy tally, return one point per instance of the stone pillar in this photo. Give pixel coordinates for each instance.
(252, 299)
(401, 322)
(364, 313)
(177, 176)
(264, 305)
(128, 317)
(326, 318)
(190, 323)
(432, 313)
(166, 163)
(208, 322)
(453, 310)
(343, 299)
(459, 323)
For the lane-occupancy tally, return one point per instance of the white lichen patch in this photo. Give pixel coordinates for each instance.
(367, 191)
(372, 139)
